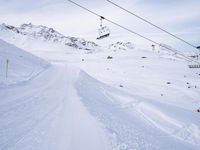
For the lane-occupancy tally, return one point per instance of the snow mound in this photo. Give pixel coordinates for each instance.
(21, 65)
(27, 34)
(139, 125)
(121, 46)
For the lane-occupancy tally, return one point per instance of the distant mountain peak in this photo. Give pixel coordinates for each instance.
(47, 34)
(122, 46)
(26, 25)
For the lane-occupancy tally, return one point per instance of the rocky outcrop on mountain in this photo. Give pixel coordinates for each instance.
(46, 34)
(121, 46)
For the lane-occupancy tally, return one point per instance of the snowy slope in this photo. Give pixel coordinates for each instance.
(162, 91)
(65, 108)
(139, 99)
(134, 122)
(49, 115)
(22, 66)
(37, 37)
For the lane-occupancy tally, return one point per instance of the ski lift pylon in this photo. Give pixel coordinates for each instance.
(104, 31)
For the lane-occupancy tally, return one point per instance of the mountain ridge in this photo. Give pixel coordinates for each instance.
(44, 33)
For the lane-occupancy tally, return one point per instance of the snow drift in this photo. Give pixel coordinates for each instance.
(21, 65)
(135, 122)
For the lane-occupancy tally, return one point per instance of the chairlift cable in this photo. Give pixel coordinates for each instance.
(145, 20)
(131, 31)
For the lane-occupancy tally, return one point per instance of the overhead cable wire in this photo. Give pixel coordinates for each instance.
(145, 20)
(133, 32)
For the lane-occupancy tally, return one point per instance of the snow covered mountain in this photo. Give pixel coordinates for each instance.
(17, 65)
(121, 46)
(137, 100)
(140, 99)
(29, 36)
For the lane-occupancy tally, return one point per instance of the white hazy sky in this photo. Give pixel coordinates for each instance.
(181, 17)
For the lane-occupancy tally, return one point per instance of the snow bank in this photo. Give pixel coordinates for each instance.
(128, 128)
(17, 65)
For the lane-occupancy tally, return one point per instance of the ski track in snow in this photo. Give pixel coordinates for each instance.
(126, 131)
(49, 117)
(65, 108)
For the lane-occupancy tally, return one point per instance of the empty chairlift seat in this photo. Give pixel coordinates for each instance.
(104, 31)
(194, 66)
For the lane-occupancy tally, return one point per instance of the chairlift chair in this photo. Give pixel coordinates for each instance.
(103, 30)
(193, 65)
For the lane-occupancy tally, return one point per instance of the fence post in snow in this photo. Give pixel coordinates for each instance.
(7, 62)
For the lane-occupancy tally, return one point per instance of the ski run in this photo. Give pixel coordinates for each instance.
(118, 97)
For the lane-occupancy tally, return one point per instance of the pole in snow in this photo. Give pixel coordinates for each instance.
(7, 62)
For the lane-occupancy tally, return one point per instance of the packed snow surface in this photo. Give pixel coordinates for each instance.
(112, 100)
(17, 65)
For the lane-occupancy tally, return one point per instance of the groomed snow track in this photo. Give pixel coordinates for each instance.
(64, 108)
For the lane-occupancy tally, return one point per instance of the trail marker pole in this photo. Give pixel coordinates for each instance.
(7, 62)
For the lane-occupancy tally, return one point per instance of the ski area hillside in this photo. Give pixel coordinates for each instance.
(37, 37)
(162, 91)
(123, 98)
(118, 105)
(17, 65)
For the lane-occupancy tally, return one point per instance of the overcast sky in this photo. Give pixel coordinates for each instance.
(181, 17)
